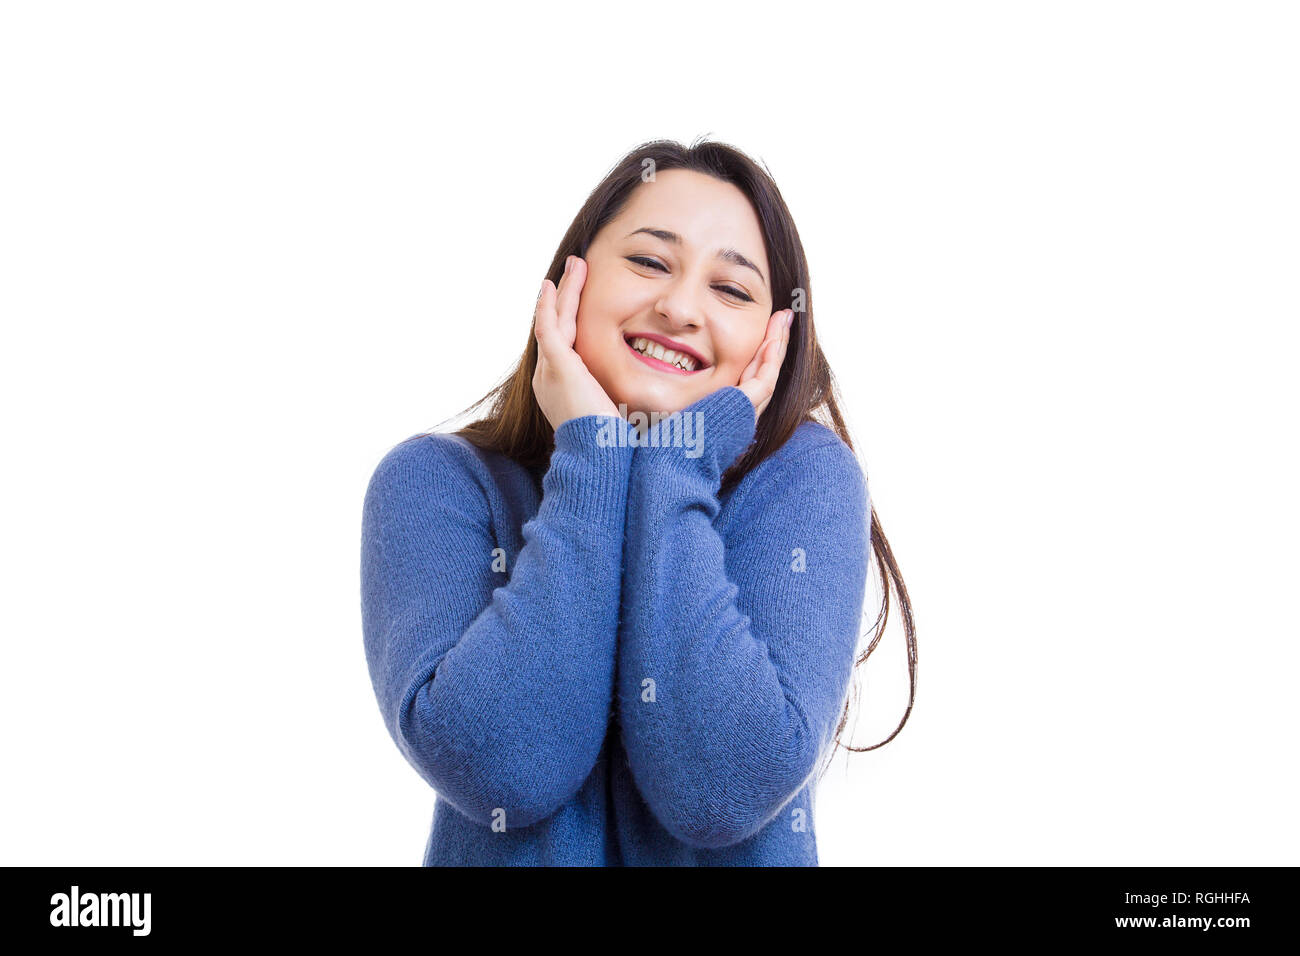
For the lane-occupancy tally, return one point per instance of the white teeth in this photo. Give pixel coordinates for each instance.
(680, 359)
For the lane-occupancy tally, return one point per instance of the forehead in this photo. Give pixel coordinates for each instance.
(706, 212)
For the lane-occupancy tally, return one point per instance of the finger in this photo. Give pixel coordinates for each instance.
(770, 334)
(775, 337)
(539, 307)
(544, 315)
(774, 357)
(566, 307)
(778, 359)
(771, 363)
(757, 371)
(564, 274)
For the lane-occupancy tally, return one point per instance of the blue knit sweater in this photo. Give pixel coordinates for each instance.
(627, 669)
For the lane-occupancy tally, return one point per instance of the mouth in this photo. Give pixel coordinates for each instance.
(659, 356)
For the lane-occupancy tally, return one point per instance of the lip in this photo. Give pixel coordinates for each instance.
(700, 363)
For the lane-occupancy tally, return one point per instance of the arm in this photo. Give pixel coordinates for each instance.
(749, 676)
(497, 693)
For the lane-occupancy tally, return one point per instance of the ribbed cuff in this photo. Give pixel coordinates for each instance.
(714, 431)
(589, 469)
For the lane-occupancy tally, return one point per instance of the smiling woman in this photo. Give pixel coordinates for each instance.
(619, 652)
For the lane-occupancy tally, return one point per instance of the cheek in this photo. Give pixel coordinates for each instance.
(585, 343)
(740, 350)
(592, 331)
(602, 308)
(611, 297)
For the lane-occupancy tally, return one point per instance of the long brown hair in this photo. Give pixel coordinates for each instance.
(514, 425)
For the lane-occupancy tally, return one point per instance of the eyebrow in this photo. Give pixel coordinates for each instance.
(726, 255)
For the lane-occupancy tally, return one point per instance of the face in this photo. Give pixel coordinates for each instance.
(687, 286)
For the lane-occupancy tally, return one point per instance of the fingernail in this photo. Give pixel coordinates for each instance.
(568, 261)
(789, 317)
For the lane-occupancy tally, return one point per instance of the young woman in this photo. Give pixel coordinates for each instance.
(613, 621)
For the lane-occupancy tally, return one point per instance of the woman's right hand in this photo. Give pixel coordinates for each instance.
(565, 389)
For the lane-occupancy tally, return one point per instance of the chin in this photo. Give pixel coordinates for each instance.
(666, 399)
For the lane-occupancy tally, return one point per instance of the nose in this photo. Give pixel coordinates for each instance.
(681, 307)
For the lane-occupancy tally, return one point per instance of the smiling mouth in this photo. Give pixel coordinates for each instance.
(663, 359)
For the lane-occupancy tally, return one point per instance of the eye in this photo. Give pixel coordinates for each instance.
(654, 264)
(642, 260)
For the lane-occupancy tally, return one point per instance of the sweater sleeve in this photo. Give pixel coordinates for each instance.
(729, 693)
(496, 691)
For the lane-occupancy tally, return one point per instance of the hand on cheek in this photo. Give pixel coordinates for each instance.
(564, 386)
(758, 381)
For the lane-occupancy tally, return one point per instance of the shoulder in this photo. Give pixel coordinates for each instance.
(428, 457)
(427, 467)
(815, 453)
(813, 463)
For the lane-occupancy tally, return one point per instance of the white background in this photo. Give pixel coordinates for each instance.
(245, 248)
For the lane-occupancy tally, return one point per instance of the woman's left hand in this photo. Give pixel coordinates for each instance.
(758, 381)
